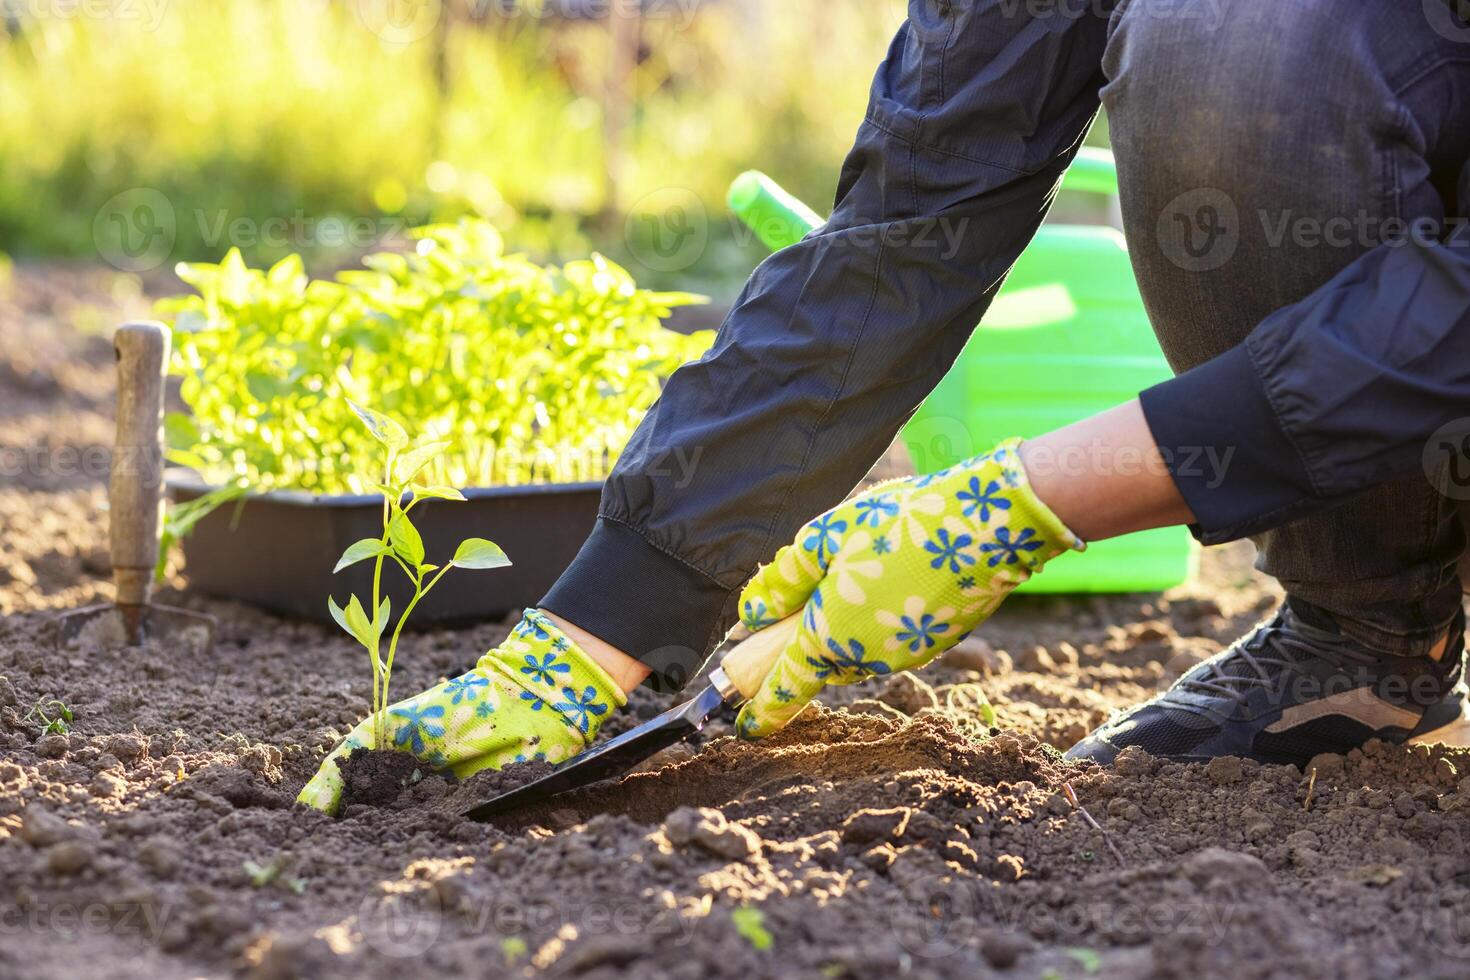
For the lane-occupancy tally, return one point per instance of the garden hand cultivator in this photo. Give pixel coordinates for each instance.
(135, 494)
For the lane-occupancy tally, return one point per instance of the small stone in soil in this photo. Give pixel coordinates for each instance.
(39, 828)
(908, 694)
(867, 826)
(127, 748)
(69, 858)
(1002, 949)
(52, 746)
(709, 829)
(107, 785)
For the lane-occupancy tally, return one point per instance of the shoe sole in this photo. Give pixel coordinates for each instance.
(1453, 731)
(1455, 736)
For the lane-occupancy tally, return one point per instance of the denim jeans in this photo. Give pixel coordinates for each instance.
(1307, 108)
(1262, 149)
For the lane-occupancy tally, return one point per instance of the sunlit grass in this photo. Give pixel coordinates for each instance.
(294, 109)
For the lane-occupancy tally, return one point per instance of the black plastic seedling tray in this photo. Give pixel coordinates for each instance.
(277, 550)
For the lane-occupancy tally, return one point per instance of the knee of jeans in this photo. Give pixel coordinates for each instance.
(1229, 87)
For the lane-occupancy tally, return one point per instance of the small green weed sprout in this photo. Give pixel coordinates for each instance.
(53, 715)
(750, 923)
(402, 544)
(264, 875)
(514, 948)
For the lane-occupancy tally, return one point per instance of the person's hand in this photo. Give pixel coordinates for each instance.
(892, 578)
(536, 696)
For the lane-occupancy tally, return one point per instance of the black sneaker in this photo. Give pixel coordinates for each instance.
(1289, 691)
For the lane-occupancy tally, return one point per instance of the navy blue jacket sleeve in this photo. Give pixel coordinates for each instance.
(1326, 397)
(974, 116)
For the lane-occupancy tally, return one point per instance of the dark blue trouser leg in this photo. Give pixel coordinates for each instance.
(1263, 147)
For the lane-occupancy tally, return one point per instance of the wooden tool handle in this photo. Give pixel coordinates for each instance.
(748, 664)
(136, 489)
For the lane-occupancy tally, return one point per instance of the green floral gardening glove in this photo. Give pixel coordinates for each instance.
(537, 696)
(891, 579)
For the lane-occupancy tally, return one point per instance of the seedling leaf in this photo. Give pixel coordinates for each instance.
(416, 459)
(384, 429)
(514, 947)
(438, 493)
(479, 553)
(750, 923)
(260, 874)
(339, 616)
(360, 551)
(354, 620)
(406, 539)
(1088, 959)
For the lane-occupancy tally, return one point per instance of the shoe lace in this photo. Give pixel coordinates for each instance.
(1266, 658)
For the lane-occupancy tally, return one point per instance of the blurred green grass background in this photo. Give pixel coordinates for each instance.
(244, 111)
(264, 122)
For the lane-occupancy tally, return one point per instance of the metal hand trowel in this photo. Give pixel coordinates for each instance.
(735, 681)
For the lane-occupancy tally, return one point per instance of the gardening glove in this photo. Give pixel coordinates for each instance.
(889, 580)
(537, 696)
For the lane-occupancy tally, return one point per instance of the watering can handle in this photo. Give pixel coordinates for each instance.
(779, 219)
(1093, 171)
(136, 484)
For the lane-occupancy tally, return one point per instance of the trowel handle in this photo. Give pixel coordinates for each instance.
(136, 489)
(748, 664)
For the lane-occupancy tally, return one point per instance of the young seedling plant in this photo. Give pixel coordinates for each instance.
(401, 544)
(53, 714)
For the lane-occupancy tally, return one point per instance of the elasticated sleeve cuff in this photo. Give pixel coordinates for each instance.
(1227, 450)
(647, 603)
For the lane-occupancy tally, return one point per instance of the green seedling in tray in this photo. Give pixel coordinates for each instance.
(537, 374)
(402, 545)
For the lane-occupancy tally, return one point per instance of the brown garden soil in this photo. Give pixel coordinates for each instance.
(889, 835)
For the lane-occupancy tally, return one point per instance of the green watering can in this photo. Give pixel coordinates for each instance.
(1066, 337)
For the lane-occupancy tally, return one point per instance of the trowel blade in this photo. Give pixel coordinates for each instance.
(612, 758)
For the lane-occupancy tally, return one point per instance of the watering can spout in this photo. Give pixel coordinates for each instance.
(777, 217)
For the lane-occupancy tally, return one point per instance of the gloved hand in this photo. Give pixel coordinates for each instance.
(890, 579)
(536, 696)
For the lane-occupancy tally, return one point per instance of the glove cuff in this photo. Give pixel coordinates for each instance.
(549, 667)
(1057, 537)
